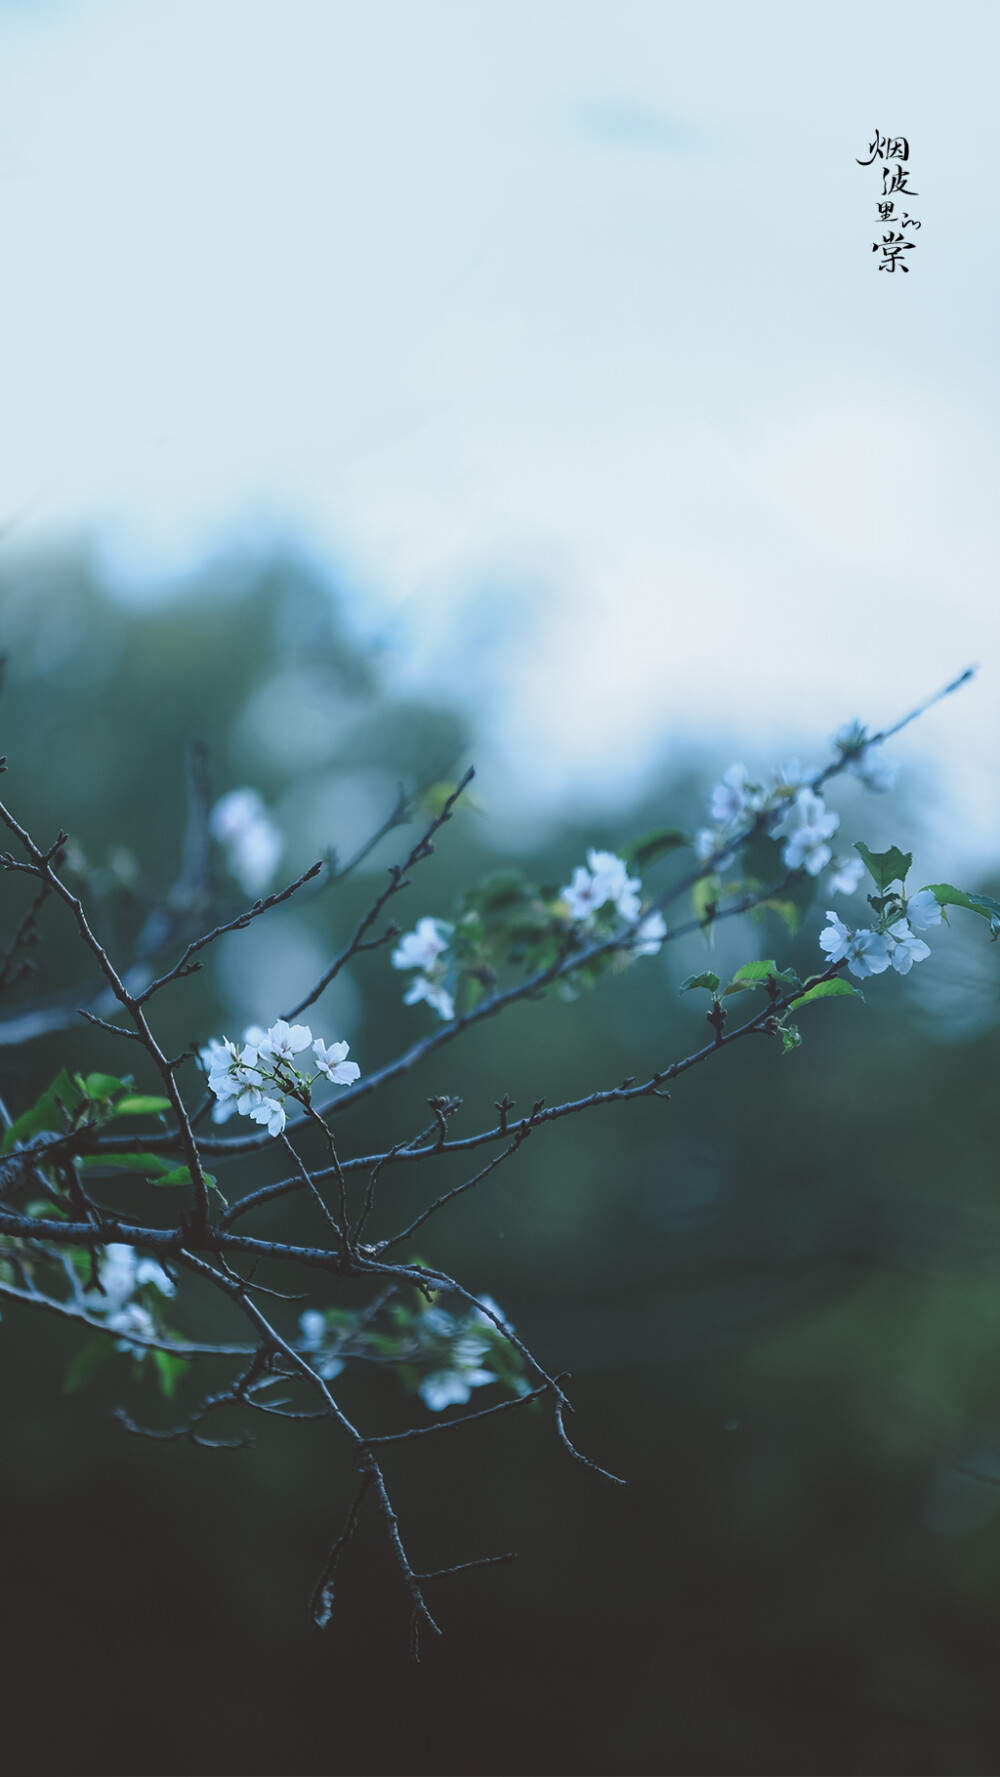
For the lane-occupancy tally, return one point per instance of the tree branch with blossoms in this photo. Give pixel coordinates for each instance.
(68, 1251)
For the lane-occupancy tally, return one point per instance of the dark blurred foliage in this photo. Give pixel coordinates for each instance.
(777, 1294)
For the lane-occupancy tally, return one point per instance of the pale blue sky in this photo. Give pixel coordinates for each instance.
(553, 326)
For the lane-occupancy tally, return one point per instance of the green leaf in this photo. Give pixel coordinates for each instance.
(44, 1113)
(706, 980)
(43, 1211)
(83, 1364)
(791, 1038)
(657, 844)
(835, 989)
(704, 899)
(170, 1369)
(786, 910)
(140, 1105)
(885, 866)
(756, 974)
(179, 1175)
(946, 896)
(436, 795)
(148, 1163)
(102, 1086)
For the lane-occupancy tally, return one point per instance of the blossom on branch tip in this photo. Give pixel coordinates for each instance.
(451, 1388)
(330, 1061)
(133, 1318)
(285, 1040)
(905, 948)
(791, 777)
(604, 878)
(923, 910)
(312, 1325)
(866, 952)
(584, 894)
(729, 798)
(266, 1110)
(431, 991)
(808, 825)
(421, 949)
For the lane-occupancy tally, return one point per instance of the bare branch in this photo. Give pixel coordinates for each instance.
(397, 881)
(239, 924)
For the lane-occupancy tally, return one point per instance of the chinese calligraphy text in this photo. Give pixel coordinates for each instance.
(893, 152)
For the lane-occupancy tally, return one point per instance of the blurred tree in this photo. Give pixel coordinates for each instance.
(777, 1290)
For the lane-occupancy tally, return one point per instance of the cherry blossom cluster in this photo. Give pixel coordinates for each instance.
(894, 940)
(605, 882)
(257, 1080)
(600, 895)
(425, 951)
(794, 811)
(450, 1353)
(452, 1386)
(122, 1273)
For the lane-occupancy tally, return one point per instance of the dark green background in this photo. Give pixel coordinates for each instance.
(777, 1294)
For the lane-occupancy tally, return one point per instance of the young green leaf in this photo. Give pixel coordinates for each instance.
(788, 911)
(835, 989)
(885, 866)
(179, 1175)
(151, 1164)
(791, 1038)
(140, 1105)
(706, 980)
(705, 899)
(658, 844)
(102, 1086)
(45, 1113)
(170, 1369)
(85, 1361)
(756, 974)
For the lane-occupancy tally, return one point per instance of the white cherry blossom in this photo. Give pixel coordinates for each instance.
(234, 813)
(431, 991)
(808, 824)
(649, 935)
(148, 1271)
(284, 1040)
(267, 1110)
(835, 938)
(609, 870)
(421, 949)
(330, 1061)
(792, 776)
(133, 1318)
(923, 910)
(729, 798)
(866, 952)
(875, 771)
(905, 948)
(312, 1325)
(253, 843)
(606, 879)
(847, 873)
(584, 894)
